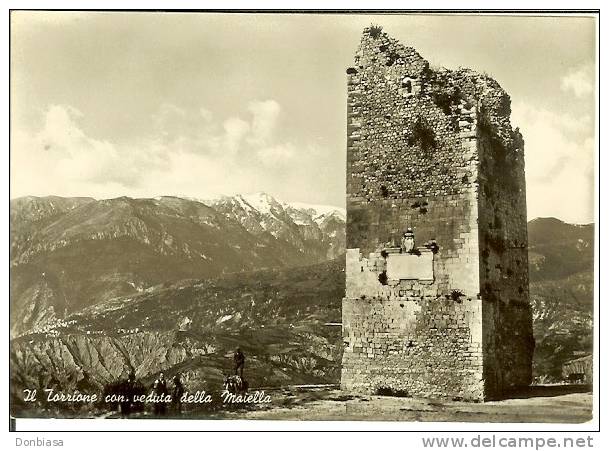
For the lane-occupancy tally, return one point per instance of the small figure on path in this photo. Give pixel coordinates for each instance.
(239, 359)
(178, 391)
(160, 389)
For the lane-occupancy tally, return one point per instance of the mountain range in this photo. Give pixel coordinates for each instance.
(99, 287)
(69, 253)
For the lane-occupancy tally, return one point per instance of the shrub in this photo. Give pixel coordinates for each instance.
(423, 135)
(383, 278)
(447, 98)
(375, 30)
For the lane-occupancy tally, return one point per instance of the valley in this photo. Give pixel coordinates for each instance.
(102, 288)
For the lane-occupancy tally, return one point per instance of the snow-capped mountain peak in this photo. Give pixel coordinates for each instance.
(302, 225)
(267, 205)
(321, 210)
(262, 202)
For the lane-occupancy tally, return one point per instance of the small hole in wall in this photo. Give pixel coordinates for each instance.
(384, 191)
(456, 295)
(432, 245)
(402, 305)
(388, 391)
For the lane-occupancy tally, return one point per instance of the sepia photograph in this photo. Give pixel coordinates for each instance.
(289, 215)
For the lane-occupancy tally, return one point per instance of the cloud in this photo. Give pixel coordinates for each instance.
(580, 81)
(559, 154)
(178, 126)
(61, 152)
(276, 155)
(206, 114)
(187, 151)
(265, 114)
(235, 130)
(194, 153)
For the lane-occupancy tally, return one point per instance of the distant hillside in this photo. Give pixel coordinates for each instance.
(173, 284)
(277, 317)
(67, 254)
(561, 267)
(558, 249)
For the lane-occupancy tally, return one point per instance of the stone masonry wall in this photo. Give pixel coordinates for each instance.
(418, 156)
(405, 336)
(508, 338)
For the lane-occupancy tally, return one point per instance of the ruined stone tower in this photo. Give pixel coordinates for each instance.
(442, 309)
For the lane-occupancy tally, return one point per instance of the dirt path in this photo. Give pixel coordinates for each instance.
(550, 406)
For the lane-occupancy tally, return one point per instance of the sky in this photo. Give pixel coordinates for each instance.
(205, 104)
